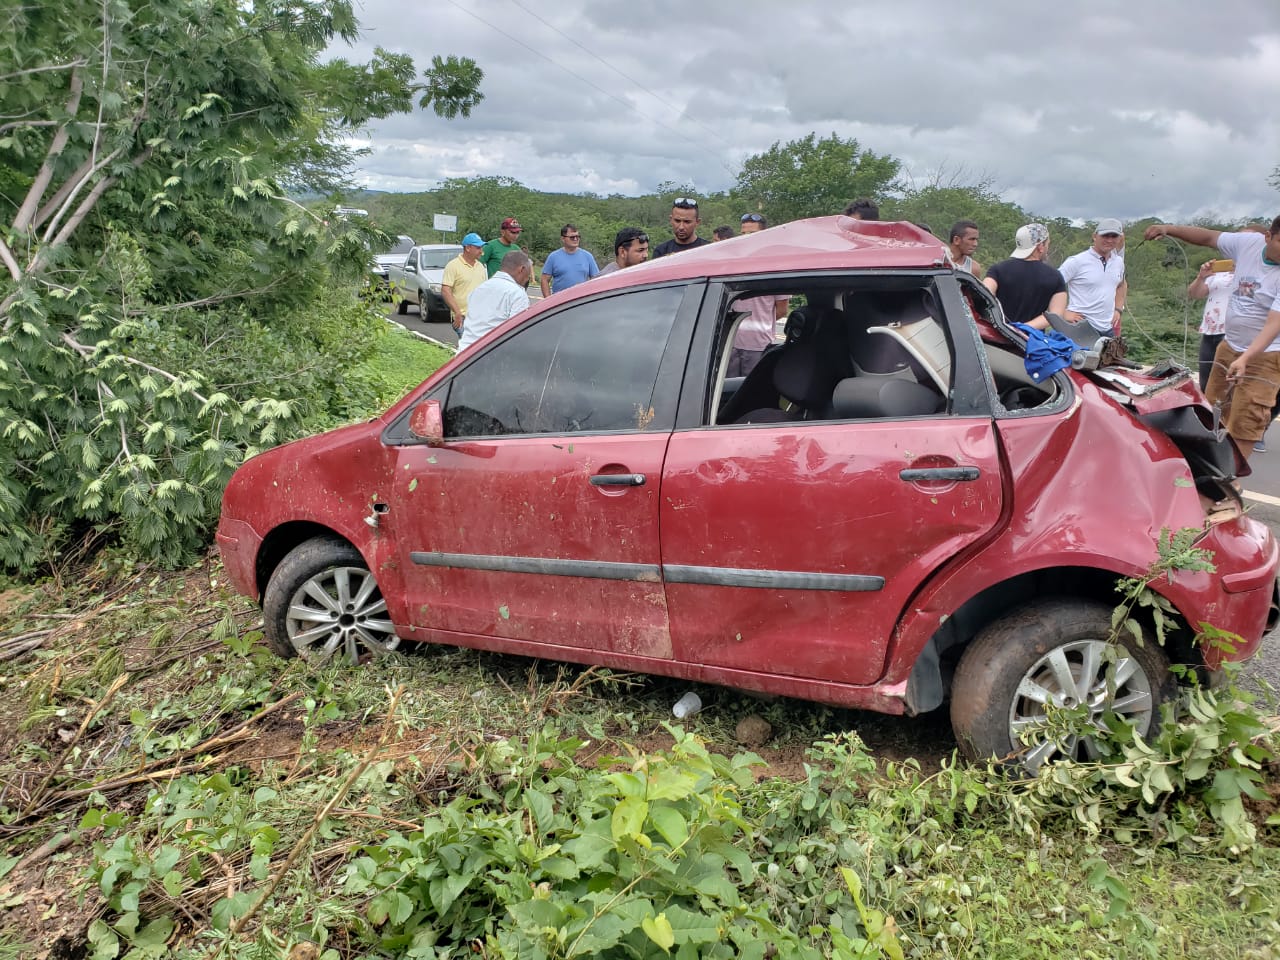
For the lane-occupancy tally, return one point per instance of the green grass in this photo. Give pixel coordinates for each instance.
(399, 362)
(187, 765)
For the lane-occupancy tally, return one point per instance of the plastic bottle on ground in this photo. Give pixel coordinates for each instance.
(687, 705)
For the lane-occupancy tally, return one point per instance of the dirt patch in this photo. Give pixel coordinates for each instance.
(13, 598)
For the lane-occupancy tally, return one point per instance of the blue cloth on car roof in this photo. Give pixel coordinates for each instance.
(1048, 351)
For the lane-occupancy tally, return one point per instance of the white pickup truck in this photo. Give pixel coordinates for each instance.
(383, 262)
(417, 279)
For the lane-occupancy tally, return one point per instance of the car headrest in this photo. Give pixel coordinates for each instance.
(802, 322)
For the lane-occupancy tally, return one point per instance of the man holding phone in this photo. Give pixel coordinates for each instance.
(1246, 365)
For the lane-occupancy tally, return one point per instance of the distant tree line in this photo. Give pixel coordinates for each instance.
(807, 177)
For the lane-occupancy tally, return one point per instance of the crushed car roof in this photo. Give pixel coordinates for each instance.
(821, 243)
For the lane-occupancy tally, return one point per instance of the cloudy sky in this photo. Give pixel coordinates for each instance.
(1130, 109)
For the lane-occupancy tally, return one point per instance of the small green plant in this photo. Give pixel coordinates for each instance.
(1174, 552)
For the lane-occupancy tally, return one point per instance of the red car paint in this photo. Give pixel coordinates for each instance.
(1067, 497)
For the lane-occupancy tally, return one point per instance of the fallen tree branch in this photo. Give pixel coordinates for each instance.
(170, 766)
(84, 725)
(49, 847)
(10, 261)
(22, 221)
(87, 351)
(321, 815)
(14, 647)
(203, 301)
(78, 62)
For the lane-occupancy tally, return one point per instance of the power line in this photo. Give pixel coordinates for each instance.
(624, 76)
(612, 96)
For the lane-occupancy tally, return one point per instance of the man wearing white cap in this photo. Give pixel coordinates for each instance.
(1025, 285)
(463, 274)
(1096, 288)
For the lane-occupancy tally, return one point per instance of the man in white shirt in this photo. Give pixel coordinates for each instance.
(498, 299)
(1246, 365)
(1096, 288)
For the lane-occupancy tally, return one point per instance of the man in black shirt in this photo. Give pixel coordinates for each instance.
(684, 226)
(1025, 285)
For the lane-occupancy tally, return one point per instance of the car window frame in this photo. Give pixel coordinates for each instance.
(1066, 387)
(969, 395)
(671, 364)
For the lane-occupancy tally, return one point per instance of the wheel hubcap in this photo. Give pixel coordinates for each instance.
(1100, 676)
(340, 608)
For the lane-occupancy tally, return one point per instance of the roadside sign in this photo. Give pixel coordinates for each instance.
(445, 223)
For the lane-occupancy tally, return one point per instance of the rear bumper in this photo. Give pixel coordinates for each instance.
(1246, 556)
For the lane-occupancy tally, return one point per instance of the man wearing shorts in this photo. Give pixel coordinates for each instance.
(1246, 365)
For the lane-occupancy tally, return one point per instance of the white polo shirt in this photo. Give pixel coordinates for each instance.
(492, 304)
(1091, 286)
(1254, 292)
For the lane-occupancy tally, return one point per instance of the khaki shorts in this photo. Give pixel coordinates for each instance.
(1246, 405)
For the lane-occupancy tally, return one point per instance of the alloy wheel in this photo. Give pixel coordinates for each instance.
(339, 608)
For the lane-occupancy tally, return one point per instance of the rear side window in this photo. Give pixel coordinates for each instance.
(590, 368)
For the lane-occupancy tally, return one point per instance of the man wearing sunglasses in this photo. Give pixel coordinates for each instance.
(756, 331)
(630, 246)
(568, 266)
(684, 227)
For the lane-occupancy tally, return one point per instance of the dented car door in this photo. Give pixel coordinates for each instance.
(537, 518)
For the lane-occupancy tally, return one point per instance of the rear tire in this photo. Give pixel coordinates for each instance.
(1052, 651)
(322, 600)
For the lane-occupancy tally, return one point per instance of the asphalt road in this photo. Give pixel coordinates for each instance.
(414, 323)
(1262, 491)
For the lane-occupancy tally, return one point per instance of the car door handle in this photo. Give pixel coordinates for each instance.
(618, 480)
(918, 474)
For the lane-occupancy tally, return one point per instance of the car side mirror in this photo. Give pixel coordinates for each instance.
(426, 422)
(410, 268)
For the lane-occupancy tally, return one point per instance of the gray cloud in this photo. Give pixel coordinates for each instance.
(1156, 107)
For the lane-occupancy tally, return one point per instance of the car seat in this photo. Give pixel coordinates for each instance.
(860, 398)
(803, 372)
(758, 390)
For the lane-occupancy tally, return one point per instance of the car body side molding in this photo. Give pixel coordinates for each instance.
(772, 579)
(650, 573)
(550, 566)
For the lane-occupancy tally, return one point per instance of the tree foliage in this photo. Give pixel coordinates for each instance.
(812, 177)
(163, 305)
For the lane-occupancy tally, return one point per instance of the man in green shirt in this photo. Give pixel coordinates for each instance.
(501, 245)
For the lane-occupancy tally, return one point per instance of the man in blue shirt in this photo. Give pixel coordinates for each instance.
(568, 266)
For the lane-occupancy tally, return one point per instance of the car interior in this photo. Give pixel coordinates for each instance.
(856, 354)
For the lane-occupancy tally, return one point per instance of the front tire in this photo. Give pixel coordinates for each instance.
(322, 599)
(1053, 652)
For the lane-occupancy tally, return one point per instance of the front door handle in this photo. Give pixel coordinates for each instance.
(618, 480)
(925, 474)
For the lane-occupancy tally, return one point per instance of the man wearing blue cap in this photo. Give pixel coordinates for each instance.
(463, 274)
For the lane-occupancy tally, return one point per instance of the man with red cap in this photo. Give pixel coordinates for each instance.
(501, 245)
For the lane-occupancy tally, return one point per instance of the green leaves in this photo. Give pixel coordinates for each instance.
(583, 863)
(658, 929)
(812, 177)
(166, 310)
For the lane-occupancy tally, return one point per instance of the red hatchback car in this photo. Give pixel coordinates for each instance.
(887, 511)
